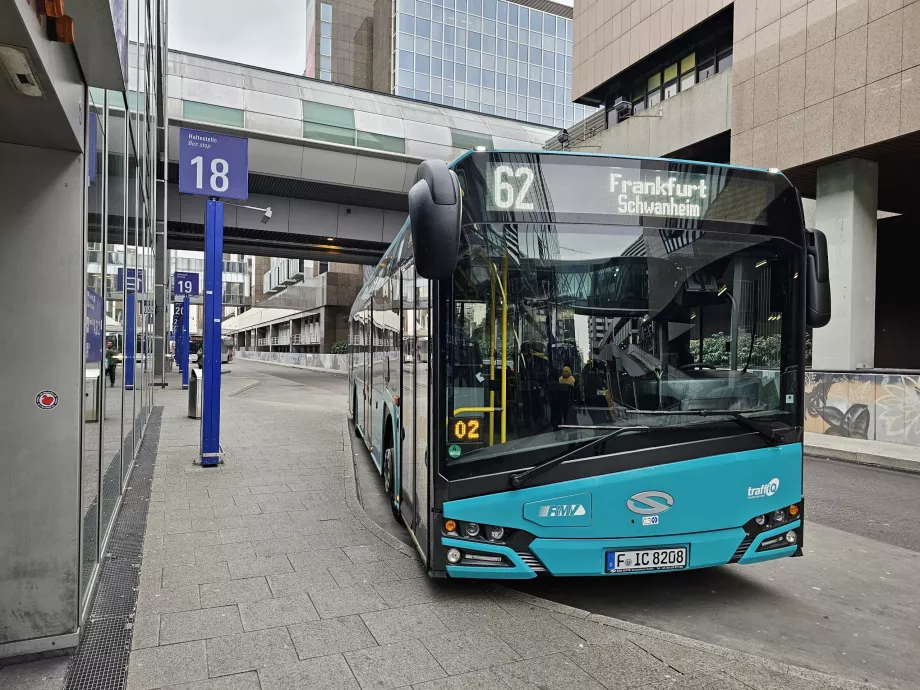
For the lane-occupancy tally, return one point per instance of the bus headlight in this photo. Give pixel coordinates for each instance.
(792, 537)
(779, 516)
(472, 529)
(761, 520)
(453, 556)
(496, 533)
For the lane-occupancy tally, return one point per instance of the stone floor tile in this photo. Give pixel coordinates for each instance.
(410, 623)
(310, 582)
(183, 575)
(394, 665)
(275, 546)
(547, 672)
(687, 660)
(362, 574)
(347, 601)
(712, 681)
(312, 558)
(242, 534)
(230, 592)
(175, 663)
(406, 568)
(223, 552)
(254, 567)
(271, 613)
(239, 681)
(621, 665)
(461, 652)
(249, 651)
(591, 632)
(477, 680)
(192, 539)
(408, 592)
(151, 602)
(145, 632)
(331, 636)
(321, 673)
(199, 625)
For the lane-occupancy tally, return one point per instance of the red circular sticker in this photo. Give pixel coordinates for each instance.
(47, 400)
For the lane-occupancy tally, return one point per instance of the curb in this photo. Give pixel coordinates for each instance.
(353, 501)
(244, 389)
(866, 459)
(354, 504)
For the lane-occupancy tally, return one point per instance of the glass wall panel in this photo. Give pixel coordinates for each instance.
(115, 295)
(94, 353)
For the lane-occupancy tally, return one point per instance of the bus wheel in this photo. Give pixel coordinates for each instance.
(388, 480)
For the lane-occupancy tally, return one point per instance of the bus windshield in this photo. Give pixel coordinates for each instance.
(560, 332)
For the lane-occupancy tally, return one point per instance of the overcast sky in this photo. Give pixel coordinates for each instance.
(253, 32)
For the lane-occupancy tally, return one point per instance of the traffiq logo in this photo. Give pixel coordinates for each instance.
(766, 490)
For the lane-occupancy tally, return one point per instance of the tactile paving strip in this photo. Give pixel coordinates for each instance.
(101, 660)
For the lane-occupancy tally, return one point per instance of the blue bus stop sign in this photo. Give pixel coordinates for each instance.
(185, 283)
(215, 165)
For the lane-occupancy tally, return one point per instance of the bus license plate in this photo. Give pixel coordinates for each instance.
(647, 559)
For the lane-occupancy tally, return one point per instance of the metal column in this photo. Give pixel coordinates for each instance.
(130, 332)
(213, 298)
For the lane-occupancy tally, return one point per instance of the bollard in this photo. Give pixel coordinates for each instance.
(195, 393)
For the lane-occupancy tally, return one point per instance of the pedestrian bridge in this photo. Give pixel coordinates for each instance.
(334, 163)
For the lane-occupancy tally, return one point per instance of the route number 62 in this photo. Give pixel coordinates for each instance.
(220, 170)
(506, 196)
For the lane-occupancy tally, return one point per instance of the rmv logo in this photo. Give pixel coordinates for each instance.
(562, 510)
(766, 490)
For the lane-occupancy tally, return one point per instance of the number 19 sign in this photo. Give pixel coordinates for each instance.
(213, 164)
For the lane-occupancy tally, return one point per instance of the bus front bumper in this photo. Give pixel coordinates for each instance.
(588, 557)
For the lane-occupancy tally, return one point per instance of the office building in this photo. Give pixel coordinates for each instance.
(511, 59)
(82, 118)
(828, 93)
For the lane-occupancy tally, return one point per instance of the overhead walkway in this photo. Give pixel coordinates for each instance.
(333, 162)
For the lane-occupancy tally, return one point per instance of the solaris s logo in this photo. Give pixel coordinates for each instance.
(650, 502)
(767, 489)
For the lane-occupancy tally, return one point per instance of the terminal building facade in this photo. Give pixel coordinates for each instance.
(81, 136)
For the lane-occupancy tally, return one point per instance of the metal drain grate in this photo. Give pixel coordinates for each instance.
(101, 660)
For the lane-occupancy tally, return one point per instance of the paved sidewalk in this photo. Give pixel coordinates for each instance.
(266, 574)
(896, 456)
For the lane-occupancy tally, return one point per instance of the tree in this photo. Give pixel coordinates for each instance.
(340, 347)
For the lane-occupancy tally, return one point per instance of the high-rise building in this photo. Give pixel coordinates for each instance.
(512, 59)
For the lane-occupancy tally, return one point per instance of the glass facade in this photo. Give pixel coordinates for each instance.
(491, 56)
(122, 146)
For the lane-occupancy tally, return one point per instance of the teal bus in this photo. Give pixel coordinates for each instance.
(591, 365)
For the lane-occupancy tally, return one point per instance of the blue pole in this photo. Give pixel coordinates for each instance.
(213, 298)
(183, 351)
(130, 336)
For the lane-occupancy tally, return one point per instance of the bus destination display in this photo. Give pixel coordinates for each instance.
(693, 193)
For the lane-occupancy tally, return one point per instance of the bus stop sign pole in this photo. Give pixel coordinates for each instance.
(213, 308)
(216, 166)
(183, 345)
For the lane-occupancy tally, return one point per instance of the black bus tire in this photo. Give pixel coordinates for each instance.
(389, 472)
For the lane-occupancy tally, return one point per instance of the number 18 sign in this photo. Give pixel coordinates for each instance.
(213, 164)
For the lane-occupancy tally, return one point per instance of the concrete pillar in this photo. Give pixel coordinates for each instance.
(846, 210)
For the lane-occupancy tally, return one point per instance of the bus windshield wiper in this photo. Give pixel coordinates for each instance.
(774, 436)
(519, 479)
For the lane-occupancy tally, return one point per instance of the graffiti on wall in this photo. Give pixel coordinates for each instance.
(881, 407)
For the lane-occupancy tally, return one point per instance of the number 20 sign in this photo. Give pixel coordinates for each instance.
(213, 164)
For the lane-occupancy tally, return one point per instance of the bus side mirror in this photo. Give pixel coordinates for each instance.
(817, 280)
(434, 217)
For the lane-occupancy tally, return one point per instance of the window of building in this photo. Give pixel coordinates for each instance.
(468, 140)
(653, 90)
(215, 114)
(325, 41)
(670, 81)
(688, 72)
(328, 123)
(725, 59)
(706, 69)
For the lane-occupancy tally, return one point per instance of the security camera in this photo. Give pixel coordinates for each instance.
(267, 216)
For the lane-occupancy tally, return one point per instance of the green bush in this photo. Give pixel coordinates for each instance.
(340, 347)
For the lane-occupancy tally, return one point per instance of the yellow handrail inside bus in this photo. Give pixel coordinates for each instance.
(502, 284)
(492, 359)
(464, 410)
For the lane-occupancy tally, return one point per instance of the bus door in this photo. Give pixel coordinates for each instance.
(408, 358)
